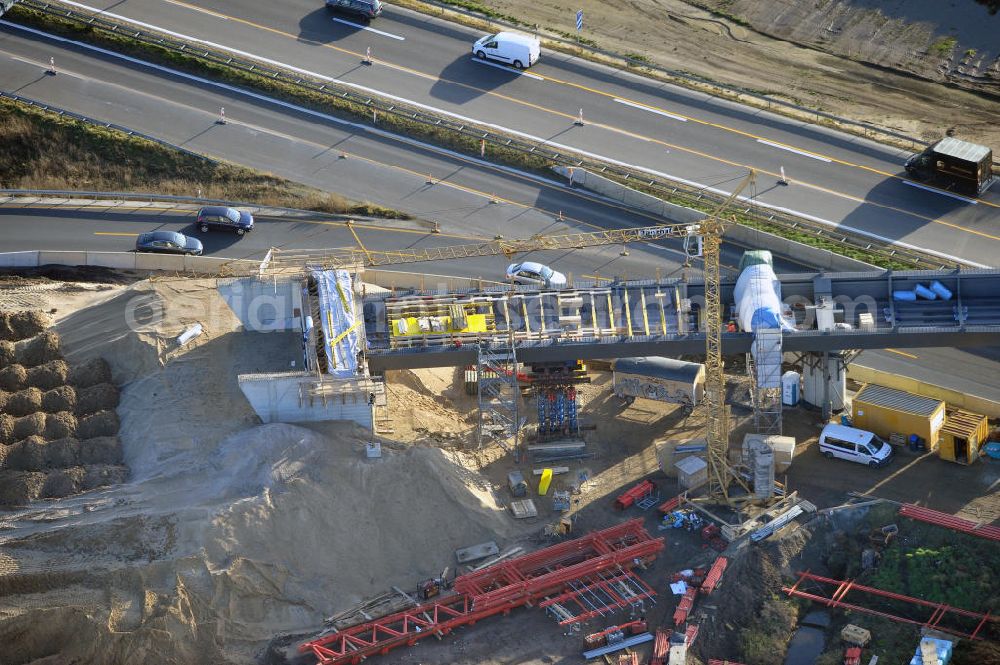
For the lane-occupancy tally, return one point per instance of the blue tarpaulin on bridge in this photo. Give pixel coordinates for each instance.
(341, 327)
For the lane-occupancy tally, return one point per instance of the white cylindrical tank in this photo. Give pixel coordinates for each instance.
(758, 303)
(790, 388)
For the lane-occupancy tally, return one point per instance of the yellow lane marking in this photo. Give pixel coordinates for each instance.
(538, 107)
(903, 353)
(112, 233)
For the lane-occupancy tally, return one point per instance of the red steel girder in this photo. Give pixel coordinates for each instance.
(606, 585)
(548, 570)
(714, 575)
(940, 610)
(493, 590)
(949, 521)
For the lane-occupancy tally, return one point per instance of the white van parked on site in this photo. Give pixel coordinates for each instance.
(855, 445)
(511, 48)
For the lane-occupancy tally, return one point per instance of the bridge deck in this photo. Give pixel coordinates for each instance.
(662, 318)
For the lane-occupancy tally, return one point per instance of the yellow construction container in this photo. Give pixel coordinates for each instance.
(962, 436)
(887, 411)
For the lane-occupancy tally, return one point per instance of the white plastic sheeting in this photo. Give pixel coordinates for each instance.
(758, 299)
(341, 328)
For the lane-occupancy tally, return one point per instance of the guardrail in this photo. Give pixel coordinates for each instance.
(475, 133)
(129, 261)
(57, 198)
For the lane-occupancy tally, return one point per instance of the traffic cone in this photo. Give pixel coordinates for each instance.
(368, 56)
(783, 180)
(222, 116)
(52, 67)
(579, 119)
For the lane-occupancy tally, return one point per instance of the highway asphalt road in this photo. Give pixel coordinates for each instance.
(116, 230)
(305, 149)
(308, 149)
(842, 179)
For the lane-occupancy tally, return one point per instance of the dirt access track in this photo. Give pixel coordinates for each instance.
(902, 90)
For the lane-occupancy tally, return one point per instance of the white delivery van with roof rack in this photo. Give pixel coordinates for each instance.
(855, 445)
(511, 48)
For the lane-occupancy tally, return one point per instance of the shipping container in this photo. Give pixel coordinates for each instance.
(962, 436)
(887, 411)
(661, 379)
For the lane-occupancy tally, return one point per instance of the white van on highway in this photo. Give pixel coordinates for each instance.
(511, 48)
(855, 445)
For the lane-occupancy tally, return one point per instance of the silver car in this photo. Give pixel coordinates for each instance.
(535, 274)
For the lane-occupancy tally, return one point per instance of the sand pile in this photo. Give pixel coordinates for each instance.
(430, 405)
(275, 529)
(227, 532)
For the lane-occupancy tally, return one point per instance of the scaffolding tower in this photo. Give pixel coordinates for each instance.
(496, 375)
(764, 369)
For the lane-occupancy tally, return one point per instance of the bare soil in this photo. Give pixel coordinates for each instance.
(828, 75)
(232, 541)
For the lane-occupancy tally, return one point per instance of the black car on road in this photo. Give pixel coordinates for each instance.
(168, 242)
(227, 219)
(365, 9)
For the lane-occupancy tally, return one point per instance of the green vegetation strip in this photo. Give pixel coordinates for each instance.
(395, 122)
(873, 256)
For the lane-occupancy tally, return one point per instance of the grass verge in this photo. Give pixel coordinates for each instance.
(398, 124)
(44, 150)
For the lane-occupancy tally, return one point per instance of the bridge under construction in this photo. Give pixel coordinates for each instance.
(829, 312)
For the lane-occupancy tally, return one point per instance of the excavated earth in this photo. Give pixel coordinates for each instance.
(58, 424)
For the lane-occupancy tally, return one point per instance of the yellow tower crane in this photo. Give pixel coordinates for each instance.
(710, 229)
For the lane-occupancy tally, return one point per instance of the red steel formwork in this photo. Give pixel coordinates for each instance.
(661, 647)
(714, 575)
(630, 496)
(949, 521)
(498, 589)
(940, 610)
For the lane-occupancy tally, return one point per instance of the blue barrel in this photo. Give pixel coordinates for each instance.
(924, 292)
(942, 292)
(908, 296)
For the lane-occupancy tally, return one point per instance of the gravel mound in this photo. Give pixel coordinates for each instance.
(62, 482)
(101, 450)
(38, 350)
(22, 402)
(14, 429)
(13, 378)
(15, 326)
(59, 425)
(101, 397)
(99, 475)
(59, 399)
(6, 353)
(48, 375)
(17, 488)
(26, 455)
(103, 423)
(89, 373)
